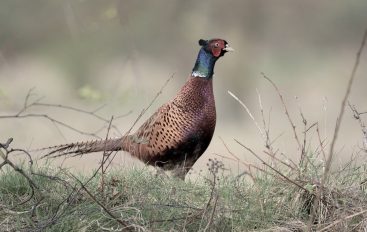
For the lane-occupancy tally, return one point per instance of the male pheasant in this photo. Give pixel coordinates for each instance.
(179, 132)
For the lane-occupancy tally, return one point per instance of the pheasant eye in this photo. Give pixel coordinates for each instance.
(216, 45)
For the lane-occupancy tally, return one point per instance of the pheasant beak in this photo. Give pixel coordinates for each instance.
(228, 48)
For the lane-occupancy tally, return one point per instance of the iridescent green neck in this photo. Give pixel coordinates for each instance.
(204, 66)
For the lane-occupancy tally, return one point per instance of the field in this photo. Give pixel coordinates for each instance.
(277, 195)
(289, 152)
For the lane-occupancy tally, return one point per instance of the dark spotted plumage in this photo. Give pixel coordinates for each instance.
(179, 132)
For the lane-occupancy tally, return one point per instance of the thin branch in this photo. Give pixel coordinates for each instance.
(342, 220)
(32, 115)
(304, 121)
(28, 105)
(235, 158)
(285, 110)
(105, 157)
(269, 166)
(92, 112)
(336, 132)
(16, 168)
(343, 104)
(266, 127)
(126, 226)
(280, 161)
(248, 112)
(357, 116)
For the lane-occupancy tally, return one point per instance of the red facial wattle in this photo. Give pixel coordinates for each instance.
(216, 51)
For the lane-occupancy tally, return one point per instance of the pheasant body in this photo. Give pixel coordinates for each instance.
(179, 132)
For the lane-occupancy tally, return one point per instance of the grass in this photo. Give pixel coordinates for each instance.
(146, 202)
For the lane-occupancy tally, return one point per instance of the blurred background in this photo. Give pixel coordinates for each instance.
(119, 53)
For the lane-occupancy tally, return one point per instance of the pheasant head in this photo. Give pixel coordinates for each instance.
(209, 53)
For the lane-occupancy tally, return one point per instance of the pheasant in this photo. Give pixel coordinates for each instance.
(179, 132)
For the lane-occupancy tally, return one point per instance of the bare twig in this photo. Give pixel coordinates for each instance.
(53, 120)
(336, 132)
(342, 220)
(322, 147)
(235, 158)
(343, 104)
(285, 110)
(266, 127)
(92, 113)
(249, 113)
(304, 121)
(207, 227)
(105, 157)
(16, 168)
(280, 161)
(213, 166)
(122, 223)
(269, 166)
(28, 105)
(357, 116)
(249, 166)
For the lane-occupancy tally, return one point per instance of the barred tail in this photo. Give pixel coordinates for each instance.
(84, 147)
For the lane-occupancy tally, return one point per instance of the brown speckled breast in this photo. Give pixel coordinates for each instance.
(180, 131)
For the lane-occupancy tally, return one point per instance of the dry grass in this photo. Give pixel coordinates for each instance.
(136, 200)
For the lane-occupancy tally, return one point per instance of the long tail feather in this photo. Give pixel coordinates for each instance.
(83, 147)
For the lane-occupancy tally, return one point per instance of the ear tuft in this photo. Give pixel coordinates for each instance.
(203, 42)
